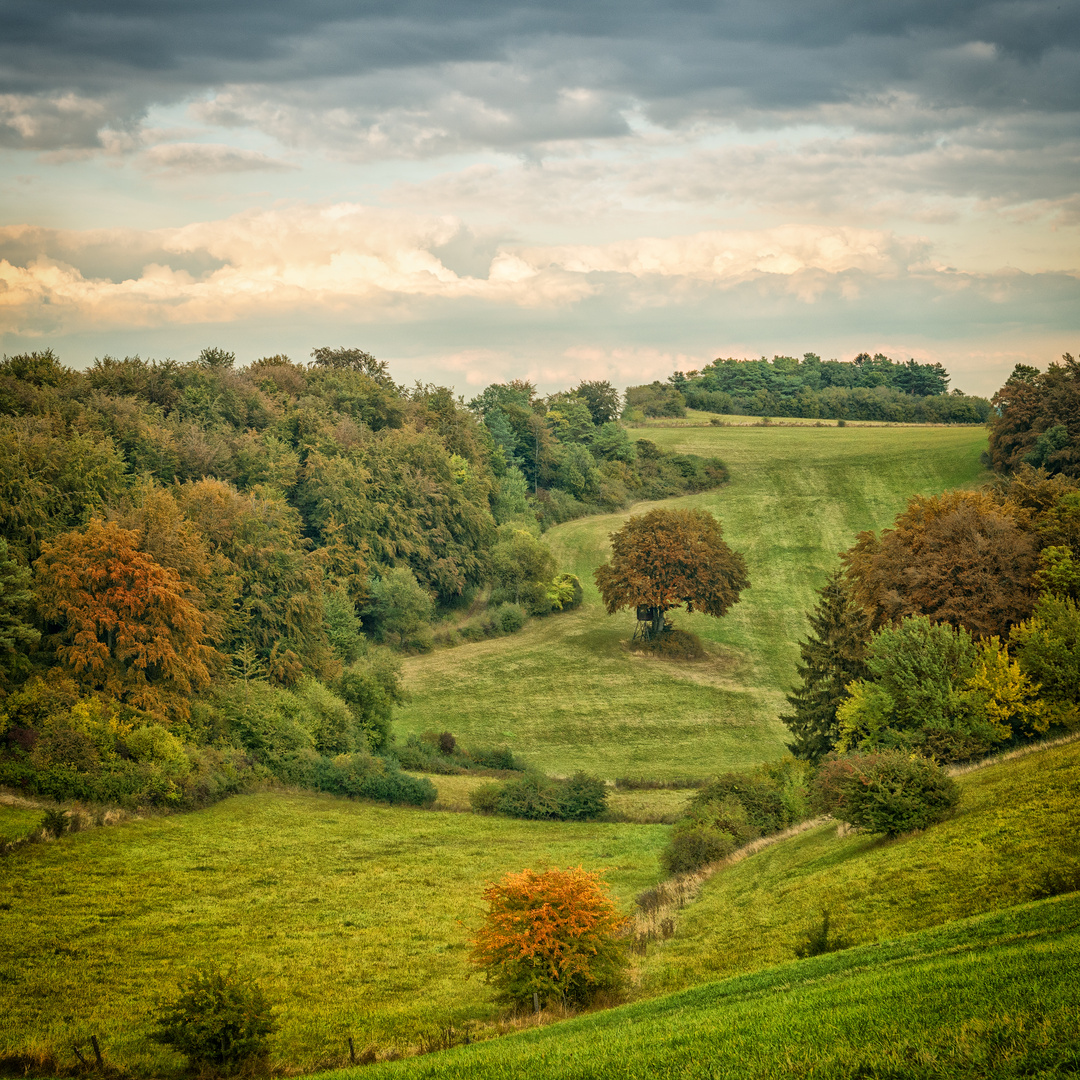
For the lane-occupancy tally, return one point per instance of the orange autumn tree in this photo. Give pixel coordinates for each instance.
(670, 557)
(557, 934)
(127, 624)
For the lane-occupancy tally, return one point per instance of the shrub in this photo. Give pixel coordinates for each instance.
(485, 798)
(497, 757)
(890, 793)
(221, 1021)
(534, 798)
(447, 743)
(583, 798)
(557, 934)
(693, 846)
(509, 618)
(393, 786)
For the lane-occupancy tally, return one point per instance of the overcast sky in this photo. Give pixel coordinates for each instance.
(554, 190)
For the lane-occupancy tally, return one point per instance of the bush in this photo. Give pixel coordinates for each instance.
(583, 798)
(693, 846)
(485, 798)
(497, 757)
(890, 793)
(393, 786)
(509, 618)
(556, 934)
(221, 1021)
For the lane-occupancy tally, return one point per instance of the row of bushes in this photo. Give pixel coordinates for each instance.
(543, 798)
(441, 754)
(890, 793)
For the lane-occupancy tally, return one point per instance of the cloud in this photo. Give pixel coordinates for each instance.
(207, 158)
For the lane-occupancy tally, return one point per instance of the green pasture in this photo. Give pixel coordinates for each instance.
(568, 693)
(353, 917)
(17, 822)
(993, 996)
(1013, 838)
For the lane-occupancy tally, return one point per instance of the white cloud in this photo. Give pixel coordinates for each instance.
(186, 158)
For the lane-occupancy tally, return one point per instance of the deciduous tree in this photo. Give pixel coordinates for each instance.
(126, 623)
(667, 558)
(557, 934)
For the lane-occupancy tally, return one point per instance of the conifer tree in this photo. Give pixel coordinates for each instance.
(832, 656)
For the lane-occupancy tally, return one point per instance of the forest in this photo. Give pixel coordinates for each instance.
(208, 572)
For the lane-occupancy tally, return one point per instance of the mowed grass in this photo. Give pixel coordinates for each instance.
(567, 693)
(354, 918)
(17, 822)
(994, 996)
(1013, 838)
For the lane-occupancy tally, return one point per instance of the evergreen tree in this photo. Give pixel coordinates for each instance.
(832, 656)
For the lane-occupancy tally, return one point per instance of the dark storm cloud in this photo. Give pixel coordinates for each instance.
(428, 76)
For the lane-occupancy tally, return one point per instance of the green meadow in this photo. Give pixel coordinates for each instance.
(355, 918)
(990, 997)
(568, 693)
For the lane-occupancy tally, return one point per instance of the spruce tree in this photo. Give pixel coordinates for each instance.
(832, 656)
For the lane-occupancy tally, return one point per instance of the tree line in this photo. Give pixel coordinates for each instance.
(866, 388)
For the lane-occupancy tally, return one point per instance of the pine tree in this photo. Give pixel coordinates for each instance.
(832, 656)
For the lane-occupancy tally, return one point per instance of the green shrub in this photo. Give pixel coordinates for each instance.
(583, 798)
(509, 618)
(221, 1021)
(497, 757)
(485, 798)
(55, 823)
(693, 846)
(395, 787)
(534, 798)
(891, 792)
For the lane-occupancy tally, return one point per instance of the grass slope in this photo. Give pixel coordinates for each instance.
(567, 694)
(994, 996)
(354, 917)
(1012, 839)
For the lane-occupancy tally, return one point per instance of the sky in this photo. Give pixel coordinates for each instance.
(476, 190)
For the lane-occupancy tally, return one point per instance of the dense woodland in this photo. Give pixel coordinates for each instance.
(205, 571)
(866, 388)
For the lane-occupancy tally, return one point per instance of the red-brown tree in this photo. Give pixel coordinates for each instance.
(667, 558)
(126, 624)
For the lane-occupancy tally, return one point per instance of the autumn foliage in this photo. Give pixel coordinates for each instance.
(670, 557)
(557, 934)
(126, 624)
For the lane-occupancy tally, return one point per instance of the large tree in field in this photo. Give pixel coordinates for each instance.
(667, 558)
(126, 623)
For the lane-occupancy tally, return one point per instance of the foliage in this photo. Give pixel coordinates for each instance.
(832, 657)
(535, 797)
(221, 1020)
(958, 558)
(670, 557)
(891, 792)
(1037, 419)
(693, 846)
(126, 623)
(398, 607)
(1047, 649)
(397, 788)
(16, 635)
(509, 618)
(556, 934)
(522, 565)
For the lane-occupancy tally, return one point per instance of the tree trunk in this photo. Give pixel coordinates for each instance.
(657, 622)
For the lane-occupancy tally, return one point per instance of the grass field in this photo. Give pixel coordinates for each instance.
(354, 917)
(566, 693)
(991, 997)
(1013, 838)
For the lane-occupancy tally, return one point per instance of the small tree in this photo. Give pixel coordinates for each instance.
(667, 558)
(557, 934)
(221, 1021)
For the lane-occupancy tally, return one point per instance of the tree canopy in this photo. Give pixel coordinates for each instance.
(668, 558)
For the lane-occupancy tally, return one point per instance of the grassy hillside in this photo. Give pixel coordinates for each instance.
(995, 996)
(354, 917)
(1013, 838)
(567, 694)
